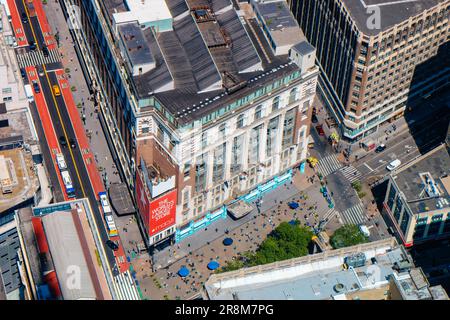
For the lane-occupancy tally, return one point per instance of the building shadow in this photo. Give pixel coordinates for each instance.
(429, 101)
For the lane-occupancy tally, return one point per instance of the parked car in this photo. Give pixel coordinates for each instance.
(314, 119)
(63, 141)
(72, 143)
(36, 87)
(380, 148)
(32, 45)
(24, 18)
(23, 73)
(393, 164)
(319, 129)
(45, 50)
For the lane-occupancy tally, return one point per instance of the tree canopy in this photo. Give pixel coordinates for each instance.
(287, 241)
(347, 235)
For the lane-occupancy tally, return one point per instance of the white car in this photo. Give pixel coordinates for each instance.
(393, 164)
(364, 230)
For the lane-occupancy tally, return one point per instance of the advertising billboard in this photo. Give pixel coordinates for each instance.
(157, 214)
(163, 212)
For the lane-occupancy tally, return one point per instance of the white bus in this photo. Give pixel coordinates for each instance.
(67, 180)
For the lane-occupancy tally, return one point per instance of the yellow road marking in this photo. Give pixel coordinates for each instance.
(55, 102)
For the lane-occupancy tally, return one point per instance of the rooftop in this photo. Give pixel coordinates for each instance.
(209, 57)
(425, 182)
(9, 272)
(322, 276)
(392, 12)
(277, 17)
(67, 252)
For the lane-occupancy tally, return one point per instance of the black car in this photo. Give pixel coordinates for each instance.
(380, 148)
(314, 119)
(63, 141)
(45, 51)
(32, 45)
(24, 17)
(112, 245)
(36, 87)
(72, 143)
(23, 73)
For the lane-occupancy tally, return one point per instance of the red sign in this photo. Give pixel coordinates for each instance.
(163, 212)
(158, 214)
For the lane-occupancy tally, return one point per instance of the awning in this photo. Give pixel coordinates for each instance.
(213, 265)
(293, 205)
(228, 241)
(183, 272)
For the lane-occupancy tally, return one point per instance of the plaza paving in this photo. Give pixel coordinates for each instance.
(165, 283)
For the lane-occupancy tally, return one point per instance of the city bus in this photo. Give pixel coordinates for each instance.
(107, 212)
(67, 180)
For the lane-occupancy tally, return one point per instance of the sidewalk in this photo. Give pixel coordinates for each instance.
(81, 95)
(128, 229)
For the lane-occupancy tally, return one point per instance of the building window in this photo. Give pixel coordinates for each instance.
(187, 169)
(254, 145)
(240, 121)
(204, 140)
(258, 112)
(275, 103)
(272, 130)
(200, 173)
(288, 129)
(219, 159)
(222, 131)
(236, 155)
(293, 95)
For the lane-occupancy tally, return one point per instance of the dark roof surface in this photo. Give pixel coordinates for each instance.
(392, 12)
(9, 244)
(408, 179)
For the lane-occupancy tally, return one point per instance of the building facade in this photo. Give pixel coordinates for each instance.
(375, 58)
(201, 98)
(417, 201)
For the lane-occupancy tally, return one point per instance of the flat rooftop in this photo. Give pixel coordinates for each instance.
(9, 272)
(210, 58)
(279, 20)
(314, 277)
(392, 12)
(411, 180)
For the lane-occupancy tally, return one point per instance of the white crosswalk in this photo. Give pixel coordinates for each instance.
(329, 214)
(328, 165)
(351, 173)
(35, 58)
(354, 215)
(125, 287)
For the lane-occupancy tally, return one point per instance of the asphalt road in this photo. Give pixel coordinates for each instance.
(63, 126)
(419, 138)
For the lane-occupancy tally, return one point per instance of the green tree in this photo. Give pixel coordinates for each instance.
(346, 236)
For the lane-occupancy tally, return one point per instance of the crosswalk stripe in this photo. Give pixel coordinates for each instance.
(328, 165)
(34, 58)
(354, 215)
(351, 173)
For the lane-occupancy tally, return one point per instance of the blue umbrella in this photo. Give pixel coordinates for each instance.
(293, 222)
(227, 241)
(213, 265)
(293, 205)
(183, 272)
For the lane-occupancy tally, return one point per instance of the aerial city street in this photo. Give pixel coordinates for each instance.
(224, 150)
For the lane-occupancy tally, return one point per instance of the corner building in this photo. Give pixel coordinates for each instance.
(375, 56)
(203, 100)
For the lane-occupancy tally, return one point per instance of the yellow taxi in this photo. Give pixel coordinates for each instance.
(56, 90)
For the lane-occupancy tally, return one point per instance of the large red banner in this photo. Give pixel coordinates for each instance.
(158, 214)
(163, 212)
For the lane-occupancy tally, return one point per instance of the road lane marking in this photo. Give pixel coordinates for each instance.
(368, 167)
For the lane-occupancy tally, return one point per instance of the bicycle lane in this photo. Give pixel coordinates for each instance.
(88, 157)
(47, 124)
(17, 24)
(45, 27)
